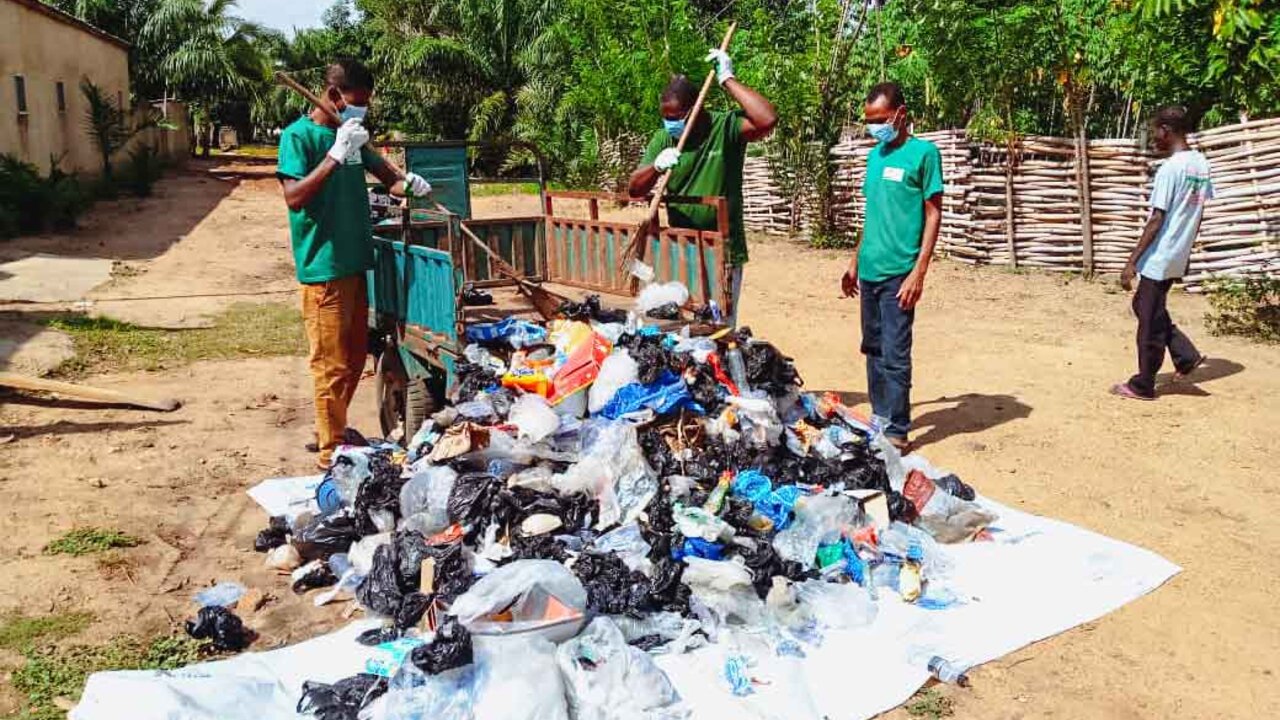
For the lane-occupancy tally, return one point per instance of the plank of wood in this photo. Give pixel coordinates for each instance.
(84, 392)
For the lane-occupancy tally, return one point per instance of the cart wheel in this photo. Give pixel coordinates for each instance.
(404, 404)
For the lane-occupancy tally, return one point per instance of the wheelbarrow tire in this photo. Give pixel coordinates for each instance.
(419, 406)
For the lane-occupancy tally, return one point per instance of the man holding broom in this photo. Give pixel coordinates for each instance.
(322, 169)
(711, 164)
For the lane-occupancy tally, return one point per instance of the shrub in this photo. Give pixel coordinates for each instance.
(144, 168)
(30, 203)
(1249, 307)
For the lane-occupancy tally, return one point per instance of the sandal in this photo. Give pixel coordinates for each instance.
(1180, 375)
(1123, 390)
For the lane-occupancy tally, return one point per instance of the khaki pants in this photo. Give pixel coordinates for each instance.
(336, 317)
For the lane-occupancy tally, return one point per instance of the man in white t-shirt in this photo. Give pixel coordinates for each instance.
(1181, 189)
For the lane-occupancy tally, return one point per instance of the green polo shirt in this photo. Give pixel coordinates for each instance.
(898, 182)
(332, 235)
(712, 167)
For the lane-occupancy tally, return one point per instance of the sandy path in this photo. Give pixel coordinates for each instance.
(1011, 372)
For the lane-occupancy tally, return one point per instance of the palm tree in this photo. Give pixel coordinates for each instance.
(209, 57)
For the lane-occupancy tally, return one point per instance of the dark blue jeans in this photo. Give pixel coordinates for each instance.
(886, 341)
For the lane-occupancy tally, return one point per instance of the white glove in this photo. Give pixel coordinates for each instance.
(351, 137)
(724, 66)
(416, 186)
(666, 160)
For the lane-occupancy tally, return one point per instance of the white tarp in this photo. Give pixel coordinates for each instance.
(1038, 578)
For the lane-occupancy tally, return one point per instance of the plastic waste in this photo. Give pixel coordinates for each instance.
(224, 594)
(665, 396)
(414, 695)
(776, 505)
(839, 606)
(725, 588)
(533, 417)
(737, 368)
(758, 420)
(694, 522)
(450, 648)
(424, 500)
(501, 588)
(536, 478)
(902, 541)
(609, 680)
(628, 543)
(221, 627)
(516, 333)
(612, 587)
(737, 674)
(326, 535)
(819, 518)
(313, 575)
(284, 558)
(617, 371)
(946, 517)
(947, 672)
(658, 294)
(342, 700)
(273, 536)
(523, 681)
(612, 468)
(390, 653)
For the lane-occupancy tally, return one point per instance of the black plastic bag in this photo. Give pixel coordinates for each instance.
(320, 576)
(768, 369)
(342, 700)
(449, 649)
(376, 636)
(273, 535)
(537, 547)
(667, 592)
(453, 575)
(380, 592)
(222, 627)
(665, 311)
(471, 501)
(379, 493)
(955, 486)
(590, 309)
(326, 535)
(764, 563)
(412, 608)
(472, 379)
(612, 588)
(473, 296)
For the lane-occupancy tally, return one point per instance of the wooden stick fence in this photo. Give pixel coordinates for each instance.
(1022, 205)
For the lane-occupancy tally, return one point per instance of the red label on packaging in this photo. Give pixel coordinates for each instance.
(918, 489)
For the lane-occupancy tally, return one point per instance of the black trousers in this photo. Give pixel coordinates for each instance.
(1157, 333)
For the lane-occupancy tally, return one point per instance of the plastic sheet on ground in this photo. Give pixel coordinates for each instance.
(1037, 578)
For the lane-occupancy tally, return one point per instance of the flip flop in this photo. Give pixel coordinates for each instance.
(1179, 375)
(1123, 390)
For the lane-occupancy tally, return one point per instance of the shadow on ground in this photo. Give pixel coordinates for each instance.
(966, 415)
(66, 427)
(1212, 369)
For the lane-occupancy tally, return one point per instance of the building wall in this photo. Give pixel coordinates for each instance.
(45, 51)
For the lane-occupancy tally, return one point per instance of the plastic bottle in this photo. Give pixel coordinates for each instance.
(909, 579)
(737, 368)
(948, 672)
(716, 499)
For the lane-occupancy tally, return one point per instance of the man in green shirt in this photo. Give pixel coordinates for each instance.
(711, 164)
(322, 169)
(903, 191)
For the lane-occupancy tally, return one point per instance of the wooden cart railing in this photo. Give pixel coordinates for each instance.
(588, 252)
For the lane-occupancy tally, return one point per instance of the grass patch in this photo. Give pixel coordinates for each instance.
(504, 188)
(88, 540)
(52, 672)
(243, 330)
(1248, 307)
(930, 704)
(19, 632)
(262, 151)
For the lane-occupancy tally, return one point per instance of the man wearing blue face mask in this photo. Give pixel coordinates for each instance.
(711, 164)
(322, 169)
(903, 191)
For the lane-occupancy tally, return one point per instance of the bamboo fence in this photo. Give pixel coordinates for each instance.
(1022, 204)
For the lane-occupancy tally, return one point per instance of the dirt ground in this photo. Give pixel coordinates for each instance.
(1011, 372)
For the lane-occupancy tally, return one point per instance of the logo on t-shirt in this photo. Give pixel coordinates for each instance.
(1197, 189)
(893, 174)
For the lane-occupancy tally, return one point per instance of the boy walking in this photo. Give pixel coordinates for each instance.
(322, 171)
(1182, 187)
(903, 191)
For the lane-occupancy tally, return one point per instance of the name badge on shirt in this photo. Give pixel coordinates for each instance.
(892, 174)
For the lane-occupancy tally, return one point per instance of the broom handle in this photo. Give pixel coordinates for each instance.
(661, 188)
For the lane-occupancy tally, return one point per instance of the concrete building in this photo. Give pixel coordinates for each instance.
(44, 55)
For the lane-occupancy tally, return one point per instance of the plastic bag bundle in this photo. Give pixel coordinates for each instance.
(608, 680)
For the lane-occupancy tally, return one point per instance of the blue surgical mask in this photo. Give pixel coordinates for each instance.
(882, 132)
(675, 128)
(353, 111)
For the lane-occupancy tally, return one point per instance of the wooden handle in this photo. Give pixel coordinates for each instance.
(84, 392)
(285, 79)
(661, 187)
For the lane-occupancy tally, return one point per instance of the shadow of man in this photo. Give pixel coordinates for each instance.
(1212, 369)
(970, 413)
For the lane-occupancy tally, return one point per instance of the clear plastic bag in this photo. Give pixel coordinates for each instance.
(521, 681)
(629, 543)
(617, 371)
(612, 468)
(502, 587)
(819, 519)
(533, 417)
(840, 606)
(424, 500)
(415, 695)
(224, 594)
(724, 587)
(608, 680)
(658, 294)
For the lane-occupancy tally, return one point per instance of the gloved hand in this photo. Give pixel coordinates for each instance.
(666, 160)
(351, 137)
(724, 65)
(416, 186)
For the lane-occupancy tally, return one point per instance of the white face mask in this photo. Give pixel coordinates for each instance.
(353, 112)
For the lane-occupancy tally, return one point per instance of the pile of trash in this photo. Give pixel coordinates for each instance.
(598, 492)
